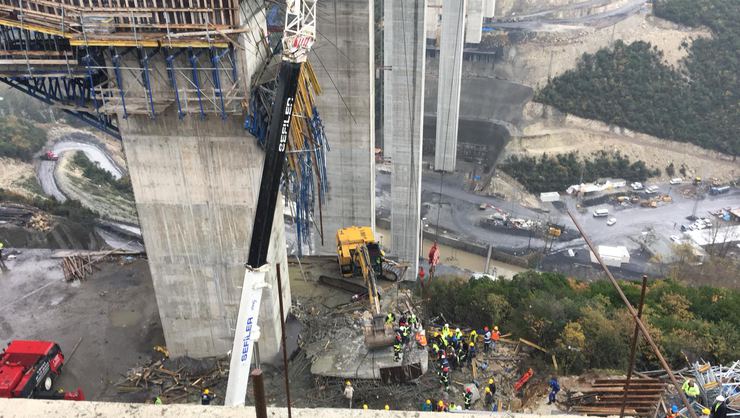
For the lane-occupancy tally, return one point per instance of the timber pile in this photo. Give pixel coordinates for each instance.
(40, 222)
(174, 385)
(605, 397)
(78, 267)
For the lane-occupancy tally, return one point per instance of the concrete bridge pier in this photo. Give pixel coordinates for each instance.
(196, 184)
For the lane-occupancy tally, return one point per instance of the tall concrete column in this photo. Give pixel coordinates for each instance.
(344, 61)
(403, 95)
(489, 8)
(474, 27)
(448, 89)
(196, 181)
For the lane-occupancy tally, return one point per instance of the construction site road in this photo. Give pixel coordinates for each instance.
(458, 212)
(73, 142)
(535, 21)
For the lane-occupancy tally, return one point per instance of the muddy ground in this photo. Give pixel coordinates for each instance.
(114, 312)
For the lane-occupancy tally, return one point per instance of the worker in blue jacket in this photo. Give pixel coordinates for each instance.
(554, 389)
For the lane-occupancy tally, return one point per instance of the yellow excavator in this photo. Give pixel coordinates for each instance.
(359, 254)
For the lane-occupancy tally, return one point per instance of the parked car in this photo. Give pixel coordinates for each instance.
(677, 180)
(611, 221)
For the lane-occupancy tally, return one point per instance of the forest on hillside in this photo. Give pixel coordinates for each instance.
(549, 173)
(630, 86)
(586, 325)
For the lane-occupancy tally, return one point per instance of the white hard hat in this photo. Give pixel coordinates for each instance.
(720, 398)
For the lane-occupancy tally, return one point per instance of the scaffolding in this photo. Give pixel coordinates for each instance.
(80, 55)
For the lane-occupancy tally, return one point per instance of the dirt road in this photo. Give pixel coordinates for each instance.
(74, 142)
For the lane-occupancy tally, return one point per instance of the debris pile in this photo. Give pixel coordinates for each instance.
(176, 380)
(40, 222)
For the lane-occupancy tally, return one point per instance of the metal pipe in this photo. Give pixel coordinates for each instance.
(633, 346)
(282, 331)
(638, 321)
(258, 387)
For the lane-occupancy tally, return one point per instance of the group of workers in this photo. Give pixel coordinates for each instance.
(407, 324)
(692, 392)
(451, 349)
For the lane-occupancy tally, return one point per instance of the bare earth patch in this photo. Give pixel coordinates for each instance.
(19, 177)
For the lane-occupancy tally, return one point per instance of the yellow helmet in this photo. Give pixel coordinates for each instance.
(488, 389)
(490, 381)
(364, 406)
(495, 328)
(429, 402)
(440, 403)
(472, 344)
(348, 383)
(706, 411)
(387, 408)
(206, 391)
(436, 334)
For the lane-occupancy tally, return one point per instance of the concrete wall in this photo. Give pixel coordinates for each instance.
(343, 59)
(450, 70)
(196, 184)
(21, 408)
(403, 97)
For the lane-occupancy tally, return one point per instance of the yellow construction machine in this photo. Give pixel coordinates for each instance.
(359, 254)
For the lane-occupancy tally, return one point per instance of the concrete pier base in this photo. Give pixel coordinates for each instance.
(196, 183)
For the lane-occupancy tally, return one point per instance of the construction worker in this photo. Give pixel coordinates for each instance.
(443, 362)
(413, 322)
(397, 346)
(719, 409)
(454, 360)
(427, 406)
(468, 397)
(421, 276)
(673, 413)
(554, 389)
(462, 354)
(691, 390)
(492, 386)
(486, 339)
(3, 267)
(473, 337)
(495, 336)
(444, 378)
(349, 392)
(458, 334)
(441, 406)
(488, 396)
(471, 353)
(206, 397)
(390, 318)
(435, 350)
(446, 331)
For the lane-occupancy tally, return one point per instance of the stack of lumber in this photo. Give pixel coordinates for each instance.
(172, 384)
(605, 397)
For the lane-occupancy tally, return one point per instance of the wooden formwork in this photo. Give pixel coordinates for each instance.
(122, 20)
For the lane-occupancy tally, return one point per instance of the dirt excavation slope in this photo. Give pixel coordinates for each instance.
(547, 130)
(553, 53)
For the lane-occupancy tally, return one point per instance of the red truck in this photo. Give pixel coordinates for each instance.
(28, 370)
(49, 155)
